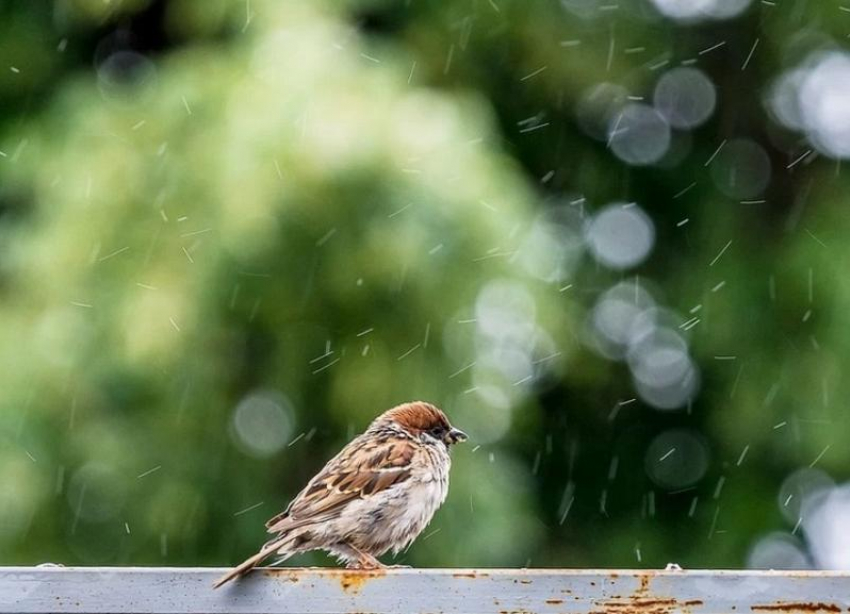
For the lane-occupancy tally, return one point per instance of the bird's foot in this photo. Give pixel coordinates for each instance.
(367, 563)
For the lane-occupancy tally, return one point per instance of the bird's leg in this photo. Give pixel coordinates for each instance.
(363, 560)
(368, 562)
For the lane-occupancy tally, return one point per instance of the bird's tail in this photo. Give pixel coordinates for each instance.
(248, 564)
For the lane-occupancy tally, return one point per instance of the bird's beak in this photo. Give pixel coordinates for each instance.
(455, 436)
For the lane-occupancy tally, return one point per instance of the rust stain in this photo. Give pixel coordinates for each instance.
(354, 581)
(554, 601)
(642, 601)
(791, 606)
(641, 606)
(280, 573)
(472, 575)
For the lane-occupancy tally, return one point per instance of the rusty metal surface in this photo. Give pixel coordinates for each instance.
(448, 591)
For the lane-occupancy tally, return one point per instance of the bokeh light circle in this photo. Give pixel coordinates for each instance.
(620, 236)
(826, 516)
(799, 487)
(126, 76)
(741, 169)
(553, 246)
(696, 10)
(96, 492)
(676, 458)
(685, 97)
(664, 373)
(262, 423)
(639, 135)
(778, 551)
(597, 106)
(824, 100)
(783, 99)
(615, 315)
(505, 310)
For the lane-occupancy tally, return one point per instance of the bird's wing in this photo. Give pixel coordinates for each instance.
(366, 466)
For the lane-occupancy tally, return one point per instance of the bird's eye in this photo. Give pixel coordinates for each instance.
(437, 432)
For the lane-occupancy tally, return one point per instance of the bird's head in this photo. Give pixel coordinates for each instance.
(419, 418)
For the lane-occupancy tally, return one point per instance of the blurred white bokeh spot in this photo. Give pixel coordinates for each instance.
(638, 135)
(814, 98)
(96, 492)
(262, 423)
(685, 97)
(620, 235)
(824, 102)
(615, 317)
(505, 310)
(597, 106)
(798, 488)
(783, 99)
(664, 373)
(826, 516)
(778, 551)
(553, 246)
(486, 414)
(695, 10)
(741, 169)
(676, 458)
(661, 360)
(511, 361)
(126, 76)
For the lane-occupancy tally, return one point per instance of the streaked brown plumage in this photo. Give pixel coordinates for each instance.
(377, 494)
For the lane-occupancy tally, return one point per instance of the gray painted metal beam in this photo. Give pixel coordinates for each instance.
(290, 590)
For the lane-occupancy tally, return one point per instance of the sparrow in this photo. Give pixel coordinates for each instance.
(377, 494)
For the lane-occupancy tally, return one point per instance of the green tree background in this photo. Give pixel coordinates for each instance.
(231, 233)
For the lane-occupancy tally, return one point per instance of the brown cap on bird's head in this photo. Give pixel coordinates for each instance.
(419, 417)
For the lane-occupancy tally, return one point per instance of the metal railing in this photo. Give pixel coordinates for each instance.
(150, 590)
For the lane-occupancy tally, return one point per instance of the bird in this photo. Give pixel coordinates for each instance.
(377, 494)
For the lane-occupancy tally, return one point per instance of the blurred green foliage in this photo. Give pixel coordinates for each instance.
(314, 208)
